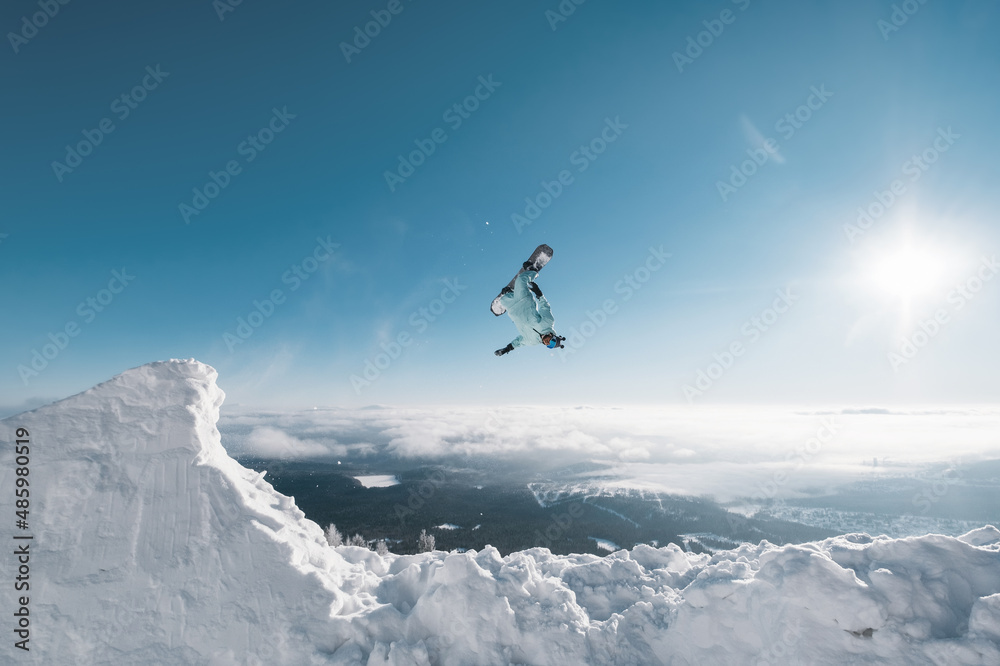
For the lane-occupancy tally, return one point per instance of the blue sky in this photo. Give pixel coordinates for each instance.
(878, 96)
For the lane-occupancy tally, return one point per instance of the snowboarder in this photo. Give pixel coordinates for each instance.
(529, 310)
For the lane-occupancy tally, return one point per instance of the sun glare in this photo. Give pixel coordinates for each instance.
(908, 272)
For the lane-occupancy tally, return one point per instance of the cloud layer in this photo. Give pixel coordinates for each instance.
(726, 452)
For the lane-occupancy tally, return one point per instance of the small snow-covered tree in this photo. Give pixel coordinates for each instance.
(357, 540)
(333, 535)
(425, 542)
(381, 547)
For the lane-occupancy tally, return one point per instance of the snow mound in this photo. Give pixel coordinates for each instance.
(151, 545)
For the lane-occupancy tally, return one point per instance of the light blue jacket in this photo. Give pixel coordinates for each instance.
(533, 320)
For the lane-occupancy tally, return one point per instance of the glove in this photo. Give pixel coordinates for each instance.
(536, 289)
(505, 350)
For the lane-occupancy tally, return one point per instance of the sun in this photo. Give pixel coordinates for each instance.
(908, 272)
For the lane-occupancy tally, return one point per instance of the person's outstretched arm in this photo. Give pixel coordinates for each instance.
(516, 342)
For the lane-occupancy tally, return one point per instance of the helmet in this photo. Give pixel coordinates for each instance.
(555, 341)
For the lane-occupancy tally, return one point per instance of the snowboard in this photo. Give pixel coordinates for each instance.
(536, 261)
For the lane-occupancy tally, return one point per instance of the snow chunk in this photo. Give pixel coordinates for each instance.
(985, 618)
(984, 536)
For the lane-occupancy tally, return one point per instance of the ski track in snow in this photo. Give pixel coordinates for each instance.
(153, 546)
(612, 512)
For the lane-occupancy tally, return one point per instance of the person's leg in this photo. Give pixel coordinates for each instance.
(521, 289)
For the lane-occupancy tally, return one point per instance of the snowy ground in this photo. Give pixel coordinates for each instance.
(378, 480)
(152, 545)
(897, 526)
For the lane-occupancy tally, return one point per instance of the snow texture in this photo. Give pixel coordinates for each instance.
(152, 546)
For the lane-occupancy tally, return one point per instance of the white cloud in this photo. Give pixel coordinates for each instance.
(627, 449)
(268, 442)
(757, 140)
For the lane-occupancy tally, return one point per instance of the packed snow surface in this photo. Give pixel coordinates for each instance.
(378, 480)
(152, 546)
